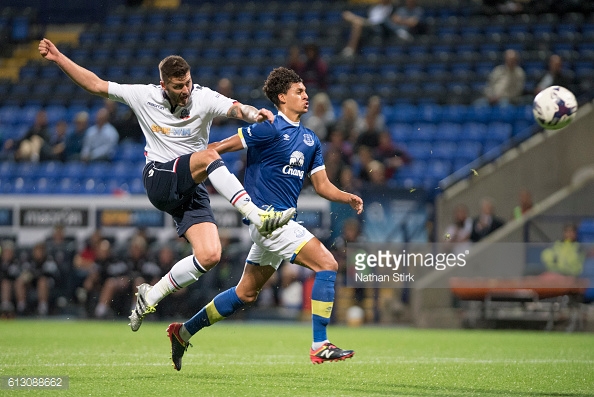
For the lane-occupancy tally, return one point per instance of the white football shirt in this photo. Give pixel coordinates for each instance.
(170, 135)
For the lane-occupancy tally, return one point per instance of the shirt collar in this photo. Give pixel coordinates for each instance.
(293, 123)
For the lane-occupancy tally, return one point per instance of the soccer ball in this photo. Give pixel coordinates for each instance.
(554, 107)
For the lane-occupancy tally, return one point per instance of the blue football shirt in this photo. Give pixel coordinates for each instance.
(279, 156)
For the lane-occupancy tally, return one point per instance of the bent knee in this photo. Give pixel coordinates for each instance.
(208, 260)
(248, 296)
(329, 265)
(210, 155)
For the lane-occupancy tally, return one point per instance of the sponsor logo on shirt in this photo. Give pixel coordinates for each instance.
(156, 106)
(286, 137)
(177, 131)
(295, 161)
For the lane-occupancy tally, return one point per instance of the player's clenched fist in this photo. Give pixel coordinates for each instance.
(48, 50)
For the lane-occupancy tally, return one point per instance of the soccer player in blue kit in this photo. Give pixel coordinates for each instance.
(280, 154)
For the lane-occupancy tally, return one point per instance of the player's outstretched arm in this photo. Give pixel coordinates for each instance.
(329, 191)
(81, 76)
(249, 113)
(231, 144)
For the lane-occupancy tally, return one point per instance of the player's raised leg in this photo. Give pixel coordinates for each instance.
(316, 257)
(222, 306)
(209, 164)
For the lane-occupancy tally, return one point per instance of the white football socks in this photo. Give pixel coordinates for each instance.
(229, 187)
(182, 274)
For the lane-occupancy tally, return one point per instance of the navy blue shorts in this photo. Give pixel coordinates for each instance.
(170, 188)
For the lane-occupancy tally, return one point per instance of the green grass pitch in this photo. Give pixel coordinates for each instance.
(245, 359)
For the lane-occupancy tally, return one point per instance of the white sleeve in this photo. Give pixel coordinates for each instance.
(219, 103)
(129, 94)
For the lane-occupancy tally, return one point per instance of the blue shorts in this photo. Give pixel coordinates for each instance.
(170, 188)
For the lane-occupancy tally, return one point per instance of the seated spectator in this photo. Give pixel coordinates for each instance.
(295, 58)
(458, 232)
(486, 223)
(363, 160)
(322, 117)
(34, 144)
(374, 124)
(461, 227)
(350, 122)
(525, 204)
(506, 82)
(10, 269)
(377, 174)
(407, 20)
(225, 87)
(348, 181)
(313, 70)
(57, 143)
(565, 257)
(101, 139)
(113, 277)
(390, 154)
(143, 270)
(40, 272)
(124, 121)
(553, 76)
(376, 24)
(336, 142)
(334, 161)
(74, 140)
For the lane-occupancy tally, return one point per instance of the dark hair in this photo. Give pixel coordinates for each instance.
(173, 66)
(279, 81)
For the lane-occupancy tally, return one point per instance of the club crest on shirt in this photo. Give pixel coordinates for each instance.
(308, 139)
(299, 233)
(185, 114)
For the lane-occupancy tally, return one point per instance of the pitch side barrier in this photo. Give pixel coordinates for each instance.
(30, 219)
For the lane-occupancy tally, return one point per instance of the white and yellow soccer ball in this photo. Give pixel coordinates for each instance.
(554, 107)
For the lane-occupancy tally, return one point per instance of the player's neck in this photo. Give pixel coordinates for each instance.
(293, 116)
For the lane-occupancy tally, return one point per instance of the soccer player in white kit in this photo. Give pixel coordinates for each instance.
(280, 154)
(175, 118)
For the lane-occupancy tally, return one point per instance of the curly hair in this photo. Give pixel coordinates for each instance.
(279, 81)
(173, 66)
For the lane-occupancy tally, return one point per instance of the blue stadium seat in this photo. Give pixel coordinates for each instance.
(425, 132)
(469, 149)
(7, 169)
(438, 169)
(136, 186)
(401, 132)
(68, 185)
(27, 169)
(444, 150)
(43, 185)
(22, 185)
(50, 169)
(449, 132)
(74, 169)
(499, 131)
(586, 231)
(405, 113)
(419, 150)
